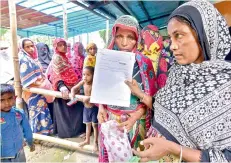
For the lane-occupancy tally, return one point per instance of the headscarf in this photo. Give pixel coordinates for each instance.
(145, 65)
(90, 45)
(78, 59)
(228, 57)
(126, 22)
(34, 55)
(44, 55)
(195, 105)
(90, 60)
(30, 68)
(60, 68)
(152, 46)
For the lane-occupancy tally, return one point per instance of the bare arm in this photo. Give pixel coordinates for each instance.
(76, 88)
(136, 91)
(188, 154)
(157, 148)
(146, 99)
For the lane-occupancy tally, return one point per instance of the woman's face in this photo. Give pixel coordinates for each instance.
(44, 49)
(29, 47)
(62, 47)
(79, 48)
(184, 43)
(125, 39)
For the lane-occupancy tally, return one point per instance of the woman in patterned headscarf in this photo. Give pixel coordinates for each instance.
(193, 110)
(67, 119)
(31, 75)
(78, 59)
(135, 119)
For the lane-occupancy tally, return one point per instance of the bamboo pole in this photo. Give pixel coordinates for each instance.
(14, 51)
(65, 32)
(65, 143)
(46, 92)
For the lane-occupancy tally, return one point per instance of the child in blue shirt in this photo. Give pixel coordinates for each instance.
(14, 128)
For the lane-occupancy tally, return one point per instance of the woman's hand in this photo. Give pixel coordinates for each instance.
(102, 114)
(133, 117)
(65, 92)
(134, 87)
(155, 148)
(128, 124)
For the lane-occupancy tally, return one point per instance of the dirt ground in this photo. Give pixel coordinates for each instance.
(49, 152)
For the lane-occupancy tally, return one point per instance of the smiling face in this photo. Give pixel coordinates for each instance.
(125, 39)
(184, 43)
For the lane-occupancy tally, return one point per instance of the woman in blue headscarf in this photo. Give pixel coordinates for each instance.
(44, 55)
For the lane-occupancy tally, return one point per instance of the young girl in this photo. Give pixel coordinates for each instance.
(90, 111)
(90, 59)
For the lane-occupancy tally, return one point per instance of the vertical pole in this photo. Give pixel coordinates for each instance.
(14, 50)
(65, 22)
(107, 31)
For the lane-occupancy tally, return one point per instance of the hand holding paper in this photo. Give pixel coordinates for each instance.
(111, 70)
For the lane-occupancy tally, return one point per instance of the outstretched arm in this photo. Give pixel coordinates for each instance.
(76, 88)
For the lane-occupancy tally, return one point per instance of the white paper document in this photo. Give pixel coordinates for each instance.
(111, 70)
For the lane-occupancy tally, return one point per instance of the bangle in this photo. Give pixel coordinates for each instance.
(181, 152)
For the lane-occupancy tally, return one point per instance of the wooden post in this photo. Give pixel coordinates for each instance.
(14, 51)
(65, 32)
(65, 143)
(46, 92)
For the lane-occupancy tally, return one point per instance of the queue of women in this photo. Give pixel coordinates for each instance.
(181, 88)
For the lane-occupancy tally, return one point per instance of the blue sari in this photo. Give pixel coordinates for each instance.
(39, 114)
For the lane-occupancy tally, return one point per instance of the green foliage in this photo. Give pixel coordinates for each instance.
(102, 35)
(3, 31)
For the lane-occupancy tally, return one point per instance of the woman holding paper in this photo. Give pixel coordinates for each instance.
(136, 118)
(67, 119)
(192, 112)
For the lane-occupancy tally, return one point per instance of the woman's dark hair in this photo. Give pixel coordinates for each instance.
(23, 42)
(90, 68)
(6, 88)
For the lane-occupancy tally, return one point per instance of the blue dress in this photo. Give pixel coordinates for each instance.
(39, 113)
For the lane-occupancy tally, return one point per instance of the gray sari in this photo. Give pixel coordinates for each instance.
(194, 108)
